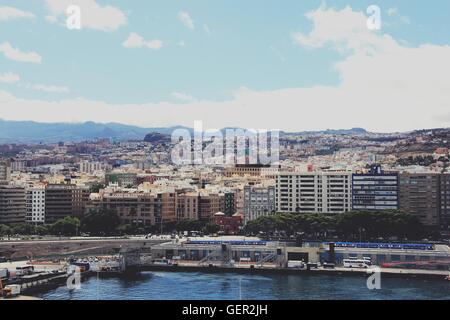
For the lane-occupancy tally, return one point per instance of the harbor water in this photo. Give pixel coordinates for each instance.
(230, 286)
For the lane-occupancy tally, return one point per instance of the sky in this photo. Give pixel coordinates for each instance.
(262, 64)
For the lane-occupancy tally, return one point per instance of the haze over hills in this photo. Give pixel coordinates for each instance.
(37, 132)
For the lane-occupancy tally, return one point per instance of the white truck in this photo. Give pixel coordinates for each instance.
(296, 264)
(12, 290)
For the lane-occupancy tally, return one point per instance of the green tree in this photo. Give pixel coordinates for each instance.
(5, 231)
(41, 229)
(354, 226)
(211, 228)
(100, 222)
(67, 226)
(22, 228)
(189, 225)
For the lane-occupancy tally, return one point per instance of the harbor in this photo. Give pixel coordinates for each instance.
(232, 254)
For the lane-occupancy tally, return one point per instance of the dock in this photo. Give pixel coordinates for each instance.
(338, 271)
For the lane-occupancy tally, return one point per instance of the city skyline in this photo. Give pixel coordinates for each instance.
(308, 66)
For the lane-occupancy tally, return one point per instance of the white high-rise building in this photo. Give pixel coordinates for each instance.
(35, 205)
(91, 167)
(314, 192)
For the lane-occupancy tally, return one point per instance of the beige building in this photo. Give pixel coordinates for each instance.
(252, 170)
(143, 208)
(187, 206)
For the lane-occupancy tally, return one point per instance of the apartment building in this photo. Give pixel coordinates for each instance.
(258, 202)
(252, 170)
(123, 179)
(12, 204)
(19, 165)
(91, 167)
(419, 196)
(314, 192)
(444, 203)
(131, 207)
(5, 170)
(187, 206)
(230, 203)
(375, 190)
(35, 205)
(209, 204)
(142, 208)
(63, 200)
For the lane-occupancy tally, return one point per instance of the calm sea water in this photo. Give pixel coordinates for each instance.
(229, 286)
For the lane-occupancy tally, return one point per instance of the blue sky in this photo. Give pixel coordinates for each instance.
(232, 45)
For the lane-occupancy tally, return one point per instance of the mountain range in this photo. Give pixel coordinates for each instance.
(38, 132)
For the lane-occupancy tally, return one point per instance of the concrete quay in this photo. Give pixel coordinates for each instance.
(272, 269)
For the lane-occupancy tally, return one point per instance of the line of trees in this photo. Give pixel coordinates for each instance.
(68, 226)
(346, 226)
(102, 223)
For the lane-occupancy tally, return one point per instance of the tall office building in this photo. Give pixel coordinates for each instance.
(375, 190)
(445, 203)
(258, 202)
(35, 212)
(63, 200)
(12, 204)
(5, 170)
(419, 196)
(314, 192)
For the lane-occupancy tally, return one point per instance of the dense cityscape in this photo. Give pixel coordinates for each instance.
(200, 153)
(135, 181)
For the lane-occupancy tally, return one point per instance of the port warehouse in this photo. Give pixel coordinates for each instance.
(255, 251)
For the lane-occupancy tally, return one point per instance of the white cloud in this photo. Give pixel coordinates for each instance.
(93, 16)
(183, 96)
(15, 54)
(134, 40)
(9, 13)
(50, 89)
(186, 19)
(384, 86)
(9, 77)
